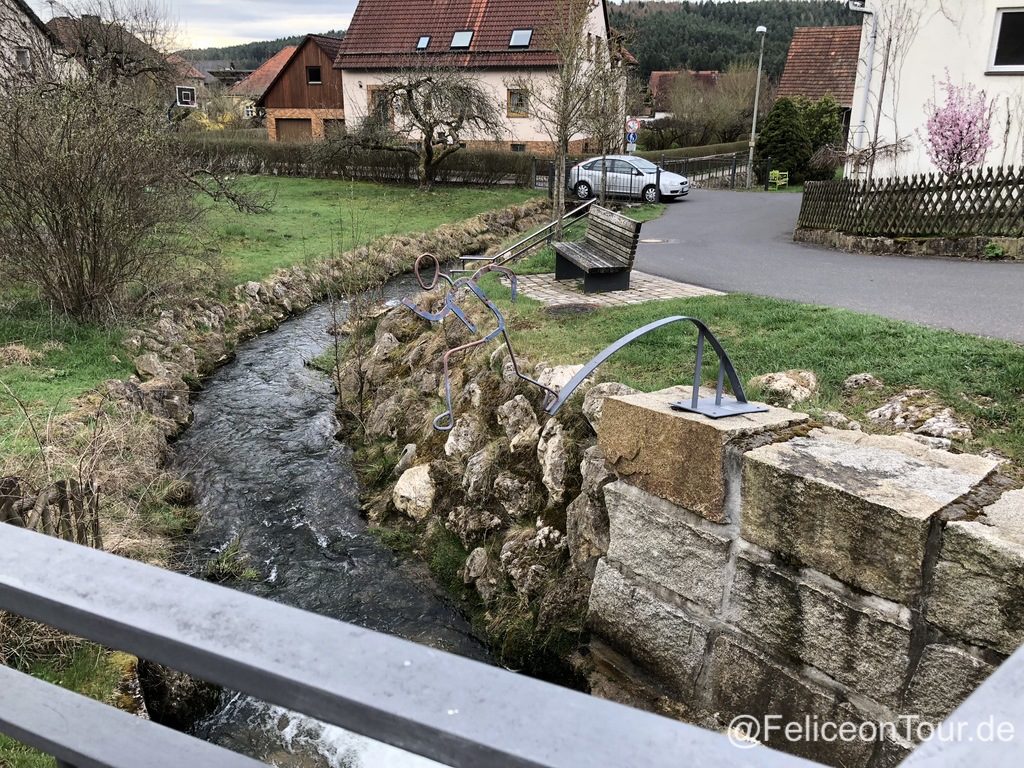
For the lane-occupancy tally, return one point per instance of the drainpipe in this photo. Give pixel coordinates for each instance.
(860, 131)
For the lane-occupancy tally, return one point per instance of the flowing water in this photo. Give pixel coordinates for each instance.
(269, 474)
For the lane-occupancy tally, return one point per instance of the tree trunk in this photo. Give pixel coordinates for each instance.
(558, 195)
(426, 170)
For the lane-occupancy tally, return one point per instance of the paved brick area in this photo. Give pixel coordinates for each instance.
(642, 287)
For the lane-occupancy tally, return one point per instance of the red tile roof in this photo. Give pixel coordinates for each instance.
(822, 61)
(256, 84)
(385, 33)
(183, 68)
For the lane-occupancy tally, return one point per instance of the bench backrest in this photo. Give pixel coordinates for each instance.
(614, 235)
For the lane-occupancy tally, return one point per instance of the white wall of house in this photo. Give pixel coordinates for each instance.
(528, 130)
(20, 41)
(931, 37)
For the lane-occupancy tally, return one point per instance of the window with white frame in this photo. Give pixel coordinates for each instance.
(520, 38)
(1008, 42)
(462, 39)
(250, 111)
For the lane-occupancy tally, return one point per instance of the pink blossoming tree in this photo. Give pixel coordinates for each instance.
(958, 132)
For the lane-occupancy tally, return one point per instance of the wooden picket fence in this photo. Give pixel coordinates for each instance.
(981, 203)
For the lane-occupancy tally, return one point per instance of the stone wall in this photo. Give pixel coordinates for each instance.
(757, 566)
(985, 248)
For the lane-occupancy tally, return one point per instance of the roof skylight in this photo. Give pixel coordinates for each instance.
(520, 38)
(462, 39)
(423, 42)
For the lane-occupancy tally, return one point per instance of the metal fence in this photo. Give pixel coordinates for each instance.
(980, 203)
(453, 710)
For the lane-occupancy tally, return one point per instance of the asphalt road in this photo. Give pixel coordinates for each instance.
(742, 242)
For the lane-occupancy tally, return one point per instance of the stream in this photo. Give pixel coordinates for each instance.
(270, 475)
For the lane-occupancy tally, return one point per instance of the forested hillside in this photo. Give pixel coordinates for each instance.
(246, 55)
(713, 35)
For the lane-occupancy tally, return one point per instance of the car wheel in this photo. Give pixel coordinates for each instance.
(583, 190)
(650, 194)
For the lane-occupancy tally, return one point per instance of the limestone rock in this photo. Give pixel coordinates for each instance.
(593, 403)
(553, 456)
(857, 507)
(840, 421)
(472, 524)
(787, 387)
(979, 578)
(586, 530)
(405, 460)
(484, 573)
(945, 425)
(556, 377)
(907, 410)
(519, 421)
(253, 289)
(149, 366)
(385, 345)
(595, 471)
(861, 381)
(517, 496)
(464, 437)
(414, 492)
(167, 399)
(476, 481)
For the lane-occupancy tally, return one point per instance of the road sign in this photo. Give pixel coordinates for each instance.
(631, 138)
(631, 147)
(632, 125)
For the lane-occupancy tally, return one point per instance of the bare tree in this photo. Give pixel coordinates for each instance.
(604, 112)
(560, 102)
(99, 203)
(429, 113)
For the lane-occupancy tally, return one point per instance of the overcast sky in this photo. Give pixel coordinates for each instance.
(205, 23)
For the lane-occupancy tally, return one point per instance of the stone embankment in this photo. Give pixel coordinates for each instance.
(760, 565)
(122, 427)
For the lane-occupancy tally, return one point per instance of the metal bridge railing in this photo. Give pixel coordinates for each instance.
(453, 710)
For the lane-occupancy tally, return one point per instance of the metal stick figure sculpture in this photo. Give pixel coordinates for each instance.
(446, 420)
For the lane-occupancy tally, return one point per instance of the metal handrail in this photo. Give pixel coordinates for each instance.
(450, 709)
(720, 407)
(531, 241)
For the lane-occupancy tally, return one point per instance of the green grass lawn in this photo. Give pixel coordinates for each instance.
(313, 218)
(982, 379)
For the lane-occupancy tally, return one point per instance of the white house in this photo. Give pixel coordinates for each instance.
(499, 40)
(907, 46)
(27, 46)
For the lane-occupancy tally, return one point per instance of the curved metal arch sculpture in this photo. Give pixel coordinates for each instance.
(445, 421)
(718, 407)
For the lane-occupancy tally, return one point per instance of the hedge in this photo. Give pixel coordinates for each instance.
(331, 160)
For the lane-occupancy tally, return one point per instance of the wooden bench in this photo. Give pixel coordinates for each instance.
(605, 256)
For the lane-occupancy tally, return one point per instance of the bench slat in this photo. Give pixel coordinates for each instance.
(609, 245)
(587, 259)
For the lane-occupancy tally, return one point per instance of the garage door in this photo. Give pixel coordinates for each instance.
(293, 129)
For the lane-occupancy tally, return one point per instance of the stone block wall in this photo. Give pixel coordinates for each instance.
(759, 567)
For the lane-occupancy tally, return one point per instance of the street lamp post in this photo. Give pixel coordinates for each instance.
(762, 31)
